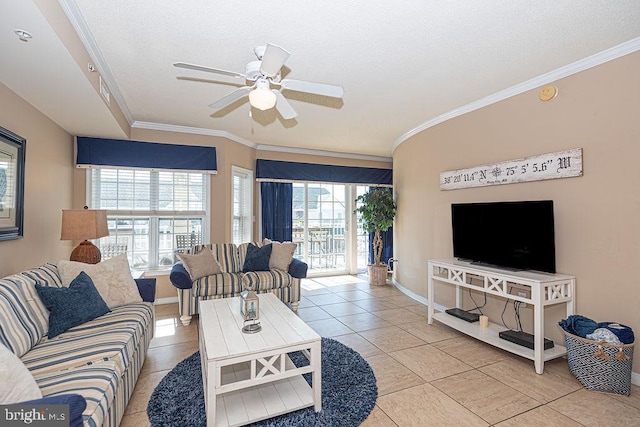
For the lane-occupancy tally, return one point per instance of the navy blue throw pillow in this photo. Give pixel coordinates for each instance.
(257, 259)
(72, 306)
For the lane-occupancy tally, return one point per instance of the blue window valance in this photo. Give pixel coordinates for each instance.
(100, 152)
(276, 170)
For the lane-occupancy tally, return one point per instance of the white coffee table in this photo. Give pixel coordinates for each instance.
(249, 377)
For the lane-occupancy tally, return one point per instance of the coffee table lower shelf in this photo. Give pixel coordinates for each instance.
(259, 402)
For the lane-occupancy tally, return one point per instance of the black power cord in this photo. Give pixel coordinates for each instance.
(477, 307)
(506, 304)
(516, 309)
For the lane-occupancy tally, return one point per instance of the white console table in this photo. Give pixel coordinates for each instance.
(543, 290)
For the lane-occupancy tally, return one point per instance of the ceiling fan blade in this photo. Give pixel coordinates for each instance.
(315, 88)
(230, 98)
(283, 106)
(208, 69)
(273, 59)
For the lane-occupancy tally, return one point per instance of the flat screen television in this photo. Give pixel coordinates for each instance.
(513, 235)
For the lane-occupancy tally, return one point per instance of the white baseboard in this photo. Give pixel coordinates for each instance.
(635, 378)
(168, 300)
(413, 295)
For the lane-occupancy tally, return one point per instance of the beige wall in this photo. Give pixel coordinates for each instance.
(596, 215)
(68, 35)
(48, 186)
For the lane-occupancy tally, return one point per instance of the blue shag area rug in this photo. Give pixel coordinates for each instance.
(349, 393)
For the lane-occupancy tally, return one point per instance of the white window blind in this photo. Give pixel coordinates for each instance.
(152, 215)
(242, 206)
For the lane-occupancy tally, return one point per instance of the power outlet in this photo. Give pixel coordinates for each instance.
(523, 295)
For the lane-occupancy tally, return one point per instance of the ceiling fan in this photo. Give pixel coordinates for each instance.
(260, 76)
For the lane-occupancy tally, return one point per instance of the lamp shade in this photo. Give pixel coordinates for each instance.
(262, 99)
(84, 224)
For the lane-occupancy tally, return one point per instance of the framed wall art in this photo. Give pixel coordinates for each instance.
(563, 164)
(12, 159)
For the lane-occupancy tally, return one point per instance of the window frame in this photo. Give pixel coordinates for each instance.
(155, 215)
(247, 176)
(349, 229)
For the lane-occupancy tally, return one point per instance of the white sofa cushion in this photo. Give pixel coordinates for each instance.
(16, 382)
(112, 278)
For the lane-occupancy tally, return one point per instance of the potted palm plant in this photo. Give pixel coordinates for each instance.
(378, 210)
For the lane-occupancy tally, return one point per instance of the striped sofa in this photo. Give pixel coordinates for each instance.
(100, 359)
(229, 283)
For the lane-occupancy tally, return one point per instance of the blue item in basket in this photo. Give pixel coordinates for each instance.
(578, 325)
(623, 332)
(583, 326)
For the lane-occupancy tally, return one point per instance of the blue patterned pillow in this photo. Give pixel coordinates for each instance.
(257, 259)
(72, 306)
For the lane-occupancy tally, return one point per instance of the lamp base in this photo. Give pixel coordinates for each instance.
(86, 252)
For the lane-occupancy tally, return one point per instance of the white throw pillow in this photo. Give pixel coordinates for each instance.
(16, 382)
(201, 264)
(112, 278)
(281, 254)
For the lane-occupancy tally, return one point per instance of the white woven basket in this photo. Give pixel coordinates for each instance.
(378, 275)
(600, 366)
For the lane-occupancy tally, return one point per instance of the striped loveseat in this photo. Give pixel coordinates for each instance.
(230, 282)
(99, 360)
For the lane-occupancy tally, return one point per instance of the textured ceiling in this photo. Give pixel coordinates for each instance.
(402, 64)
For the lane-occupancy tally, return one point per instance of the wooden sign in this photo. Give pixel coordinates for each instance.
(563, 164)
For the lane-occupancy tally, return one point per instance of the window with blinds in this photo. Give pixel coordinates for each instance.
(242, 205)
(152, 215)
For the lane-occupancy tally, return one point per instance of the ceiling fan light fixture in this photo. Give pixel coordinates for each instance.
(260, 76)
(261, 97)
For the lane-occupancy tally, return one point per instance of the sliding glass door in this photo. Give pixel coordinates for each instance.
(323, 228)
(319, 225)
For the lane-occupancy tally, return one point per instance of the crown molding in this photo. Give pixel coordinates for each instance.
(311, 152)
(228, 135)
(193, 130)
(74, 15)
(615, 52)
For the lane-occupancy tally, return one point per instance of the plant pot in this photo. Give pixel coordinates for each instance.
(378, 274)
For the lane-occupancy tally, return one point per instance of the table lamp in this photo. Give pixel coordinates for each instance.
(84, 224)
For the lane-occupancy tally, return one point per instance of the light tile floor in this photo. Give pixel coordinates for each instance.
(427, 375)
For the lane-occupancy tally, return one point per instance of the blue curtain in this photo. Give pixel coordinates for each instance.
(277, 205)
(147, 155)
(271, 170)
